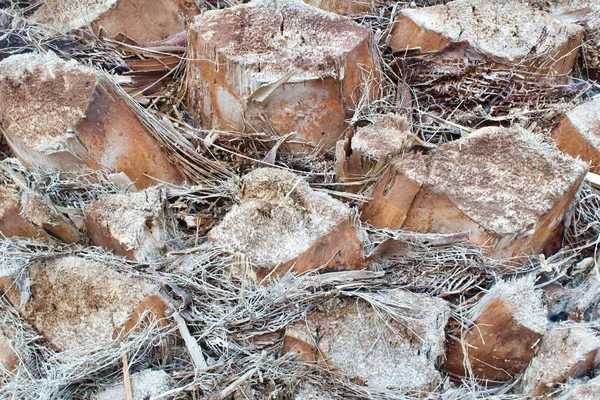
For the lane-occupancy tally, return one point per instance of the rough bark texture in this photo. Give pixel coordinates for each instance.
(141, 20)
(305, 74)
(131, 225)
(373, 348)
(508, 323)
(281, 224)
(568, 351)
(363, 156)
(578, 133)
(80, 122)
(39, 210)
(32, 215)
(511, 189)
(509, 31)
(12, 222)
(587, 14)
(78, 303)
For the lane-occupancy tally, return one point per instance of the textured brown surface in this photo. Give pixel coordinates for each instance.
(148, 20)
(282, 224)
(571, 142)
(566, 352)
(508, 322)
(372, 347)
(489, 183)
(32, 215)
(80, 121)
(39, 210)
(236, 51)
(151, 308)
(12, 223)
(364, 155)
(11, 344)
(8, 358)
(338, 250)
(141, 20)
(344, 7)
(498, 347)
(509, 31)
(99, 234)
(392, 200)
(78, 303)
(578, 133)
(115, 137)
(131, 225)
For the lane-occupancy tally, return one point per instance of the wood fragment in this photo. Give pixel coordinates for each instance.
(275, 226)
(113, 136)
(235, 384)
(126, 377)
(593, 179)
(191, 344)
(242, 87)
(507, 214)
(508, 322)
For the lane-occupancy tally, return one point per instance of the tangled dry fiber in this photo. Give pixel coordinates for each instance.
(239, 325)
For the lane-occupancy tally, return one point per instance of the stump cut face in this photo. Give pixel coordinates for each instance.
(281, 224)
(131, 225)
(578, 133)
(371, 346)
(140, 20)
(508, 187)
(79, 303)
(361, 157)
(12, 222)
(314, 61)
(566, 352)
(510, 31)
(63, 115)
(508, 323)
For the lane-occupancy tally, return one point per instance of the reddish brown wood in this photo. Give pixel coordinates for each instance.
(315, 84)
(81, 121)
(498, 347)
(450, 189)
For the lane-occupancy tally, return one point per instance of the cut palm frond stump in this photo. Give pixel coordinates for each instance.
(508, 187)
(399, 350)
(363, 156)
(39, 210)
(278, 67)
(12, 222)
(508, 323)
(568, 351)
(509, 31)
(27, 214)
(282, 225)
(77, 303)
(578, 133)
(65, 116)
(141, 20)
(131, 225)
(587, 14)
